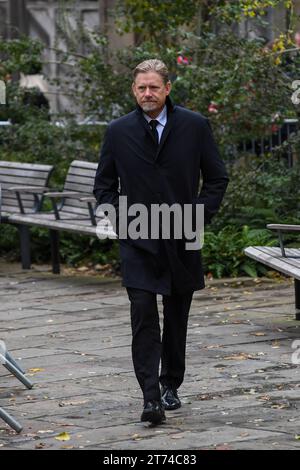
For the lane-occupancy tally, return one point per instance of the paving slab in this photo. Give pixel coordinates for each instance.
(72, 336)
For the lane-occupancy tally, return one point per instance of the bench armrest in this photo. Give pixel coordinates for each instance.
(28, 189)
(74, 194)
(70, 194)
(88, 199)
(35, 191)
(283, 228)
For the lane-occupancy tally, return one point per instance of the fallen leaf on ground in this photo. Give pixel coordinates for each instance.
(223, 447)
(264, 398)
(238, 357)
(40, 445)
(280, 405)
(63, 436)
(74, 403)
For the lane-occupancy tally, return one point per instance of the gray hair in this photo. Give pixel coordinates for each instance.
(152, 65)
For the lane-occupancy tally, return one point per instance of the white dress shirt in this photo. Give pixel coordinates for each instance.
(162, 121)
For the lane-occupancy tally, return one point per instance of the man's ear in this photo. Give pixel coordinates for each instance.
(168, 87)
(133, 88)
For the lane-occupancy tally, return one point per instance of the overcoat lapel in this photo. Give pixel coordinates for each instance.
(170, 123)
(166, 131)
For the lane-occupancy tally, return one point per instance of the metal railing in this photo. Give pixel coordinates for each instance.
(268, 144)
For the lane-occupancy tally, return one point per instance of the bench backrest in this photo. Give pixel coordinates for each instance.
(21, 174)
(80, 178)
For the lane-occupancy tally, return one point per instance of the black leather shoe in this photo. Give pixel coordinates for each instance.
(170, 398)
(153, 412)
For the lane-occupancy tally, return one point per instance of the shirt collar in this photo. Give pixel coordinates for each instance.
(161, 118)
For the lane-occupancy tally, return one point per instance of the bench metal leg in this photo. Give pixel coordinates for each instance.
(14, 362)
(10, 420)
(4, 359)
(54, 242)
(25, 246)
(297, 298)
(17, 373)
(15, 370)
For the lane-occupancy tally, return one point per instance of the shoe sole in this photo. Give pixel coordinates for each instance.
(172, 407)
(153, 418)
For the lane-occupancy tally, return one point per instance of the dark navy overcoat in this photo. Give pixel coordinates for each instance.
(131, 165)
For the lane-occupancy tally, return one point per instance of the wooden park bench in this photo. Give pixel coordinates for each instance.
(15, 179)
(284, 260)
(73, 209)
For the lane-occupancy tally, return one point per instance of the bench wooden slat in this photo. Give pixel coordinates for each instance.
(81, 174)
(21, 180)
(10, 197)
(76, 171)
(291, 253)
(80, 179)
(11, 204)
(78, 203)
(25, 166)
(76, 212)
(12, 201)
(274, 259)
(80, 187)
(24, 172)
(82, 226)
(83, 164)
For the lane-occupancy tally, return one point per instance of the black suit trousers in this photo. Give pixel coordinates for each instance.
(149, 348)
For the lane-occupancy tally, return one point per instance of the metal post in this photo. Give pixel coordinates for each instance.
(297, 298)
(25, 246)
(54, 242)
(280, 236)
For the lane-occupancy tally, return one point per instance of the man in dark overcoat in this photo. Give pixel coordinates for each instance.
(156, 155)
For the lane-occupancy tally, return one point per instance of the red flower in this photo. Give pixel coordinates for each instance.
(274, 128)
(213, 107)
(182, 60)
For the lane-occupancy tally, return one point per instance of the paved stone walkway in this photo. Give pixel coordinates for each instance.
(72, 335)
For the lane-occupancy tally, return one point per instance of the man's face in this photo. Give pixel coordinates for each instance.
(150, 92)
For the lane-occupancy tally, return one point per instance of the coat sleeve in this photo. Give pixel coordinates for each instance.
(214, 174)
(106, 183)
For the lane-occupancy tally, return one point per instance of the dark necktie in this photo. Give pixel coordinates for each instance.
(153, 124)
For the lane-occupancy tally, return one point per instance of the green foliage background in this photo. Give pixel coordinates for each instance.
(247, 81)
